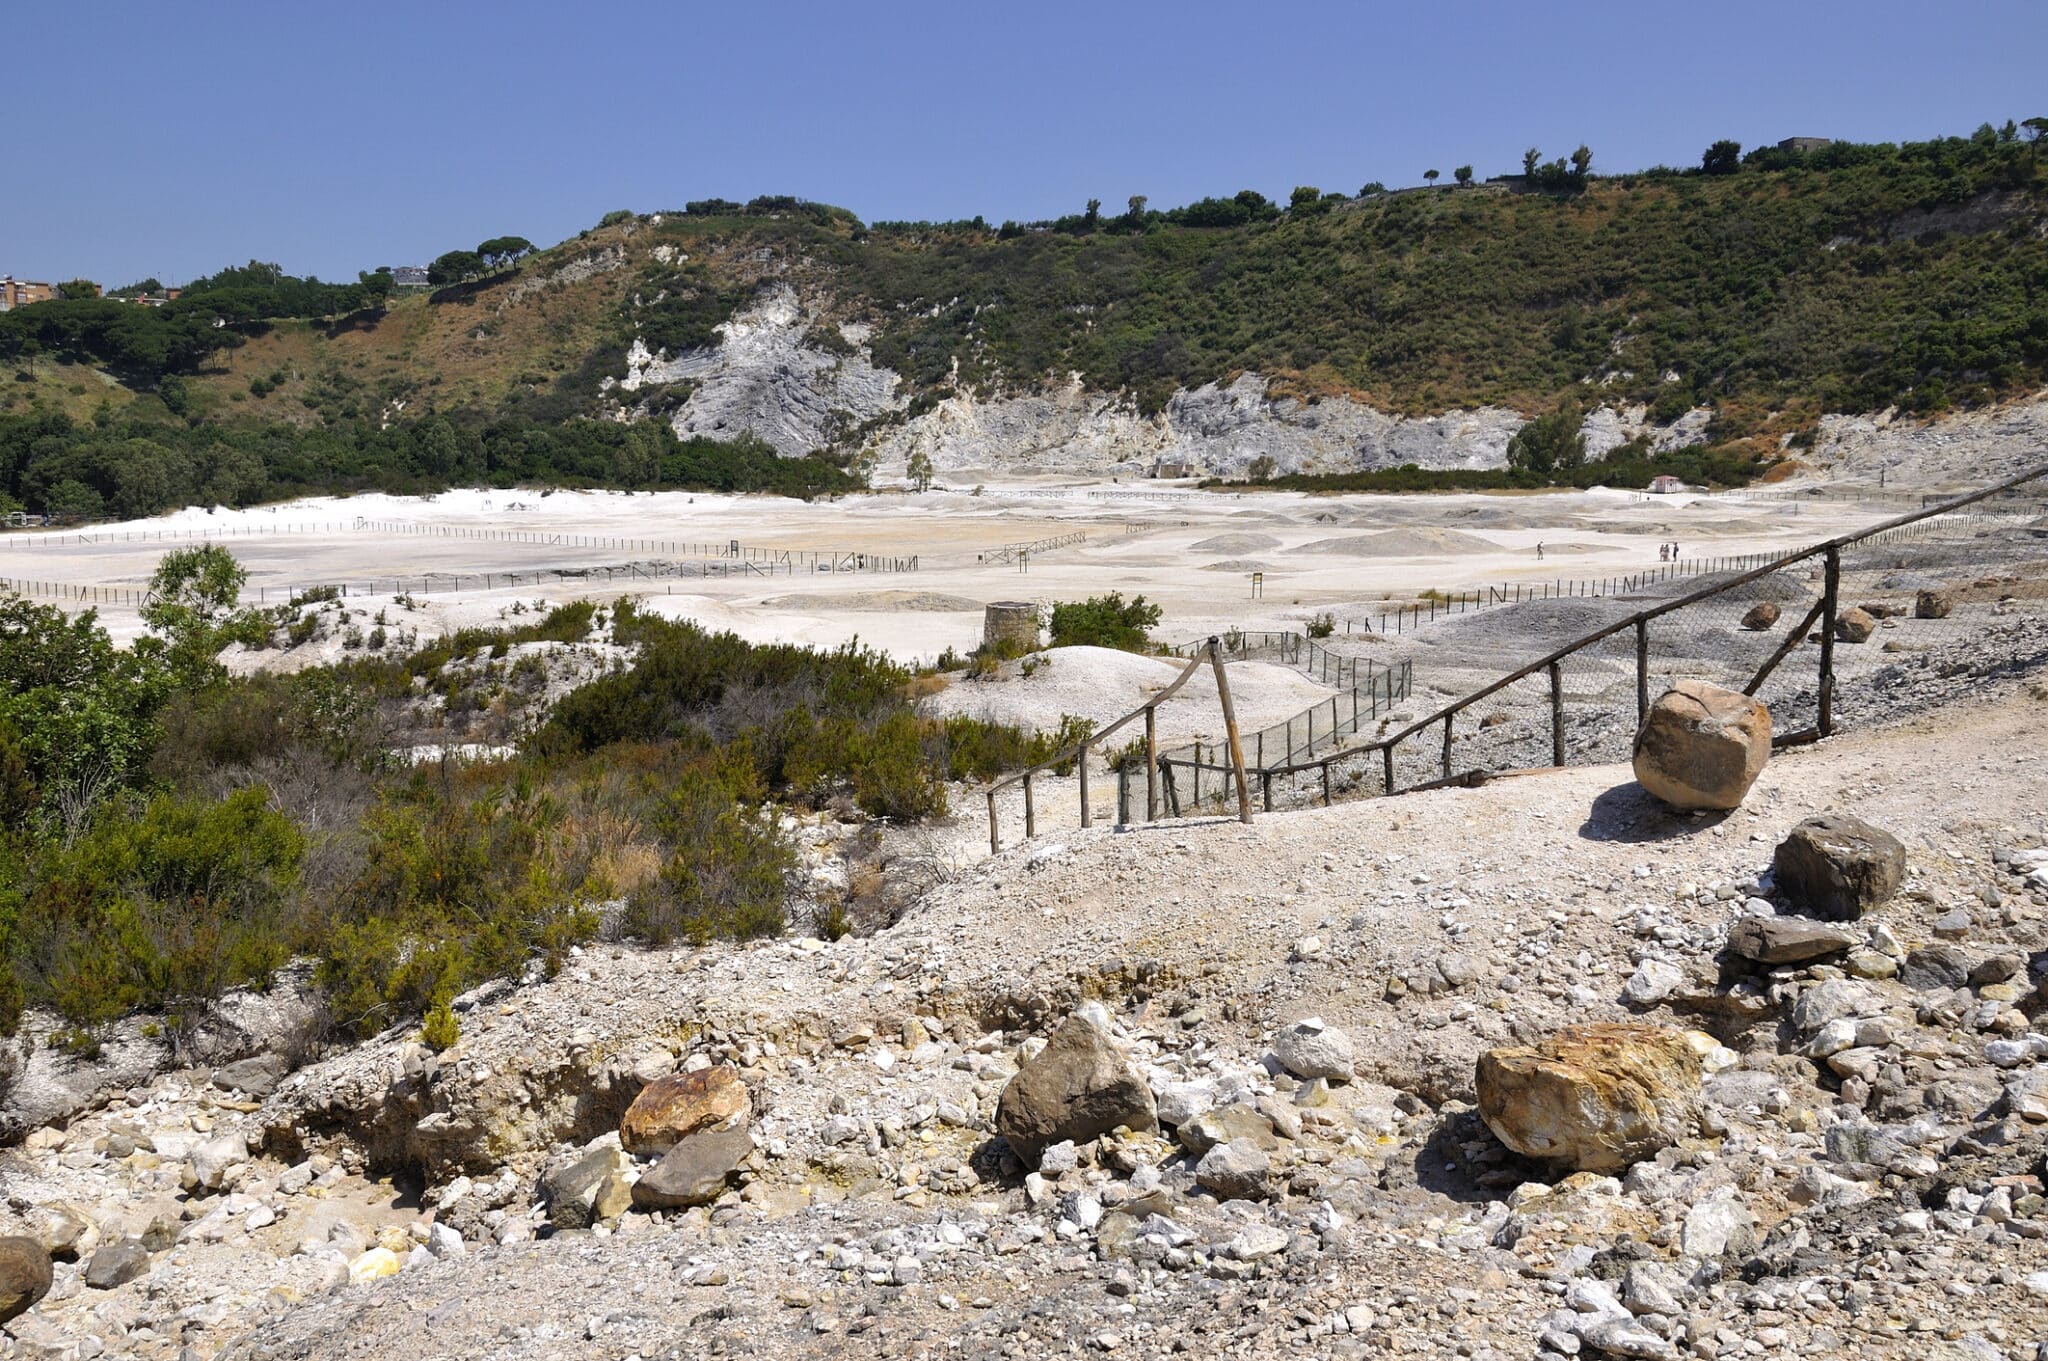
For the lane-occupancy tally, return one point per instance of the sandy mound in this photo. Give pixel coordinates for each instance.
(1403, 543)
(932, 601)
(1104, 685)
(1234, 543)
(1237, 565)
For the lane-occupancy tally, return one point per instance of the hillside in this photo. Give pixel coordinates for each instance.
(1423, 326)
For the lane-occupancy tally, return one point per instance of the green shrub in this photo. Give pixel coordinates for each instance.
(725, 878)
(155, 910)
(891, 776)
(439, 1029)
(1104, 621)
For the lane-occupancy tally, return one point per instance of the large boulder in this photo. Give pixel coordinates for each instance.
(1238, 1120)
(24, 1275)
(1785, 940)
(1078, 1087)
(1855, 625)
(212, 1163)
(257, 1077)
(670, 1109)
(1702, 746)
(1595, 1098)
(1761, 616)
(1933, 604)
(1238, 1170)
(694, 1172)
(1310, 1049)
(1838, 867)
(589, 1190)
(116, 1264)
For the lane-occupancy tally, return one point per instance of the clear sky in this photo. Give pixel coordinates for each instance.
(172, 139)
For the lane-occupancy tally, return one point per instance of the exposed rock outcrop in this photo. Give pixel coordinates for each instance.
(762, 379)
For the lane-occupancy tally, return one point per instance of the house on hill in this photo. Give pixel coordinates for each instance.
(20, 292)
(1805, 143)
(1666, 484)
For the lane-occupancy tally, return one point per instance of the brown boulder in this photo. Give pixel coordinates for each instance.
(24, 1275)
(1838, 867)
(1595, 1098)
(674, 1107)
(1933, 604)
(1702, 746)
(1761, 616)
(1854, 625)
(1078, 1087)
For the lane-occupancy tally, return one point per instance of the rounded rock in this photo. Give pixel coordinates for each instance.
(1701, 746)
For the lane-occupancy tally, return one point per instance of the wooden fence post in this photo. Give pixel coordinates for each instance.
(1244, 788)
(1030, 814)
(1556, 714)
(1831, 596)
(1082, 769)
(1151, 765)
(993, 845)
(1447, 745)
(1642, 669)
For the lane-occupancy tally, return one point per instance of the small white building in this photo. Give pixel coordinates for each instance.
(1666, 485)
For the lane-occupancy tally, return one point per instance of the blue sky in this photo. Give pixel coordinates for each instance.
(173, 139)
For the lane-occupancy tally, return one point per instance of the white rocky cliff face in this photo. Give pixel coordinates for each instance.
(762, 379)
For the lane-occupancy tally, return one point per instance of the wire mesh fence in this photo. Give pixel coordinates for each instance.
(1558, 680)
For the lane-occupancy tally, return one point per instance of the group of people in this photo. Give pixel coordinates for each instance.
(1667, 552)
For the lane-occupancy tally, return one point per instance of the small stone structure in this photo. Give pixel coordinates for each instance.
(1010, 626)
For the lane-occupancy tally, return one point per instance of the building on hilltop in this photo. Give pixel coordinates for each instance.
(20, 293)
(409, 276)
(1805, 143)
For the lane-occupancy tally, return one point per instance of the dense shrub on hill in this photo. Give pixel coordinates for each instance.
(1103, 621)
(1816, 278)
(167, 831)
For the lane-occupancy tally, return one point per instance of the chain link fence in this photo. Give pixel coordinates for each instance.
(1820, 632)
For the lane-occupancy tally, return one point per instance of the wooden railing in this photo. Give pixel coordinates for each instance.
(1823, 614)
(1076, 755)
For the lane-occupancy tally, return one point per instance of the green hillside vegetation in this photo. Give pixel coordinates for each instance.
(167, 831)
(1770, 287)
(131, 468)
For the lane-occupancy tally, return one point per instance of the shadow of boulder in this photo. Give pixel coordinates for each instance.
(1629, 813)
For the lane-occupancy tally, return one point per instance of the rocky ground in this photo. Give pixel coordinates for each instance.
(1294, 1014)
